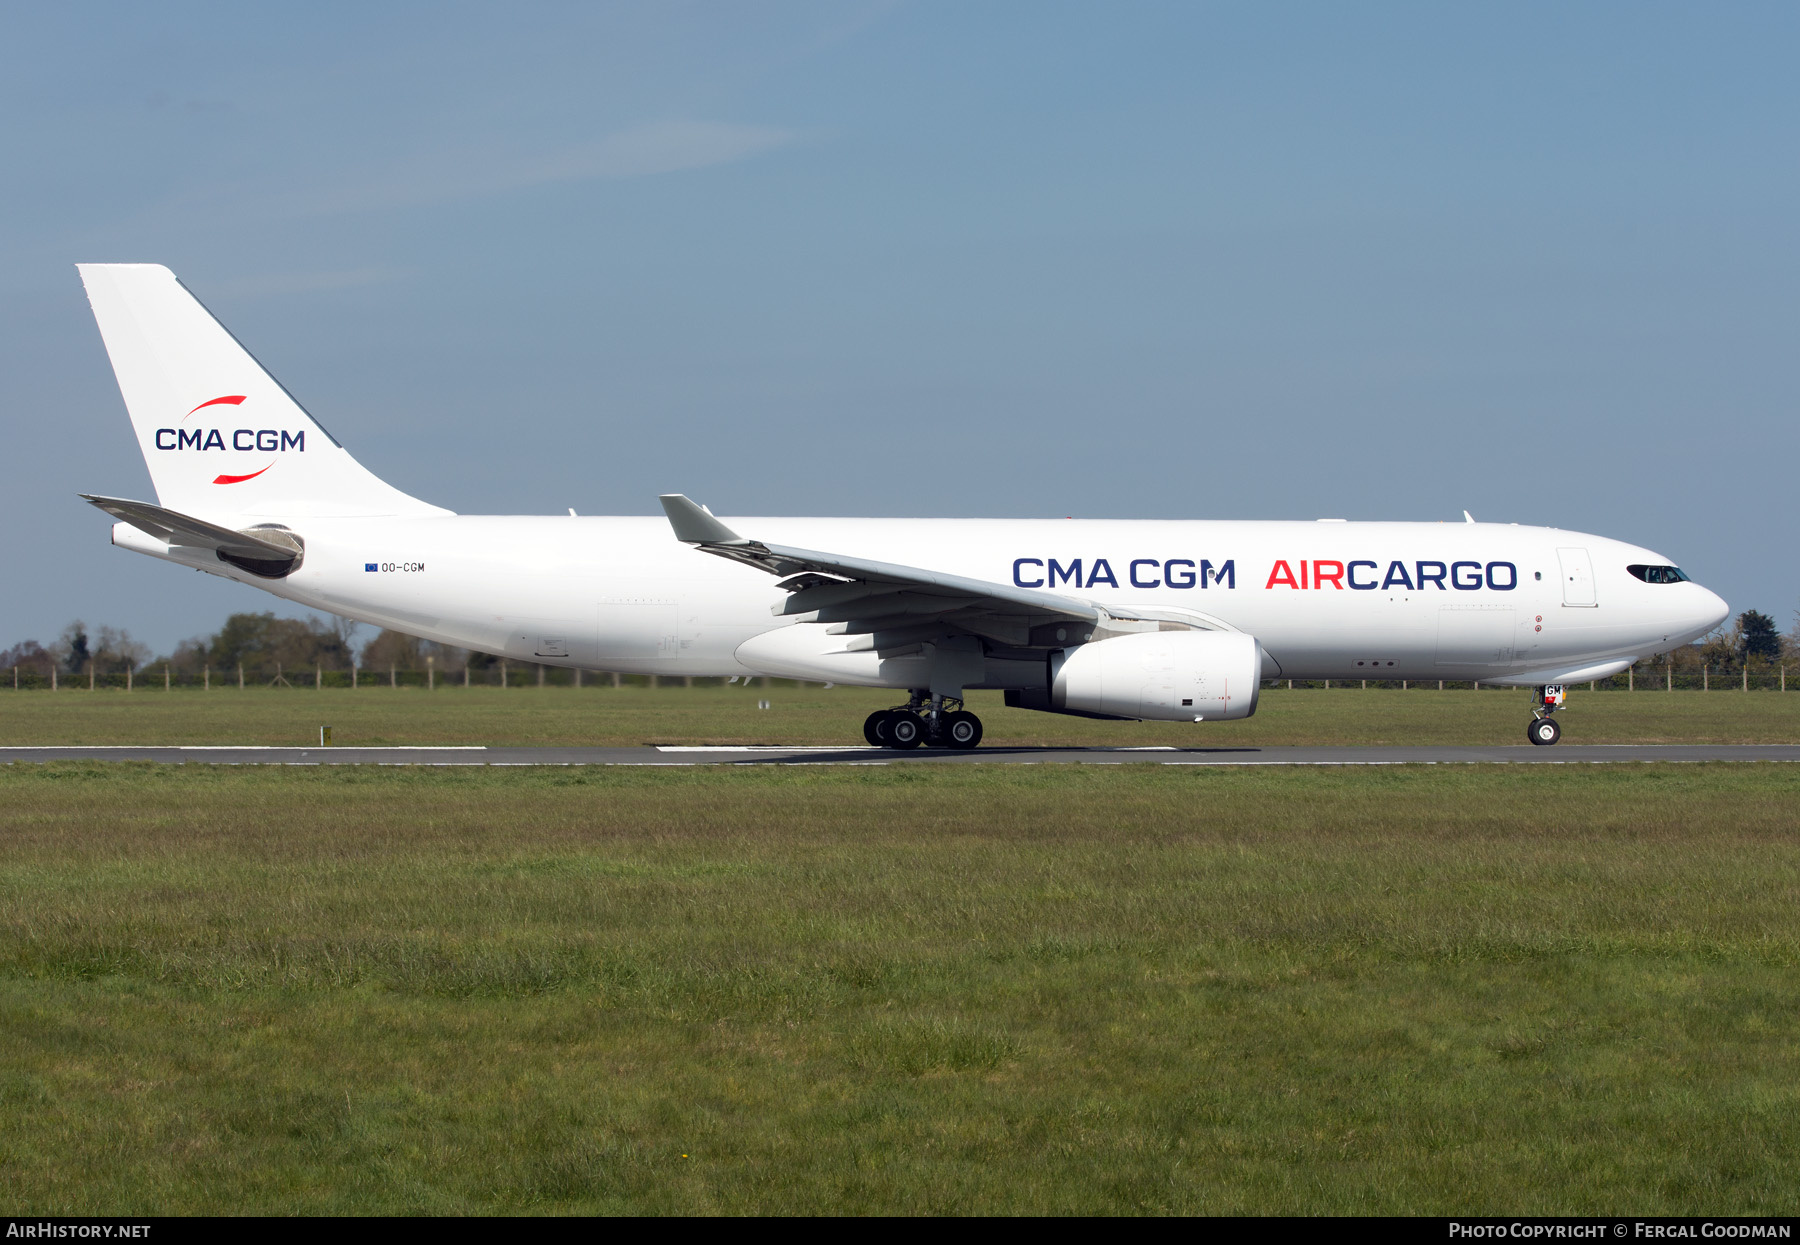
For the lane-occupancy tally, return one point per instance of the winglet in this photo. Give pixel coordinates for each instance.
(694, 524)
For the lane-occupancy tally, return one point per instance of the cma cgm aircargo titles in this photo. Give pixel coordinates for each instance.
(1170, 620)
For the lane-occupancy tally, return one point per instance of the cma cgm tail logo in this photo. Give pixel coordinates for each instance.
(242, 440)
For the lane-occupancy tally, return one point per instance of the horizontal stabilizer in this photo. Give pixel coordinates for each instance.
(180, 529)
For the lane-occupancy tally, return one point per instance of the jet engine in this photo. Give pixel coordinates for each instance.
(1165, 676)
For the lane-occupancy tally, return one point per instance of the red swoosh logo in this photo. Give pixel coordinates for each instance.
(239, 479)
(230, 399)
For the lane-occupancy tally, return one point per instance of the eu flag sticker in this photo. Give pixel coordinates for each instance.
(368, 566)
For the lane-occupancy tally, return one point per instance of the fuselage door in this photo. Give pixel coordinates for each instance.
(637, 629)
(1475, 635)
(1577, 577)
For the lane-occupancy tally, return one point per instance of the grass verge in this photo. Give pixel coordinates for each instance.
(1411, 990)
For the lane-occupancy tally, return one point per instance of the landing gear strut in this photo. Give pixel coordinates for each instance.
(1544, 729)
(931, 721)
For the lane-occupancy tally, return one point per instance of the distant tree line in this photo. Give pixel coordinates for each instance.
(1751, 641)
(255, 641)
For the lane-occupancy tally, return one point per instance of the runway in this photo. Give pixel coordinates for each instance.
(1522, 754)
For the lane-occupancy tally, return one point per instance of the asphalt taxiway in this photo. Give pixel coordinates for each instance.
(1520, 754)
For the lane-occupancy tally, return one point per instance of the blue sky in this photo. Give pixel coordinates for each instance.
(1184, 260)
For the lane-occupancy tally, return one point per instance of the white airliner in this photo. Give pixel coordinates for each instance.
(1148, 619)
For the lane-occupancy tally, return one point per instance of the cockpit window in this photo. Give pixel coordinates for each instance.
(1658, 574)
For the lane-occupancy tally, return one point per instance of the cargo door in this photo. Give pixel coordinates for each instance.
(1478, 636)
(688, 617)
(556, 641)
(1577, 577)
(638, 629)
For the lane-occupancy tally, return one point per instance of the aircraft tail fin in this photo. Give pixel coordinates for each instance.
(220, 435)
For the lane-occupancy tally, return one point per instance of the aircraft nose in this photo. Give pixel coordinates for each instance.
(1712, 610)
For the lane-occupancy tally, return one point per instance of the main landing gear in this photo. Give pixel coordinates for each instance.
(1544, 729)
(925, 720)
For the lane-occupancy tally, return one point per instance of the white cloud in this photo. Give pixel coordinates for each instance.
(302, 282)
(641, 151)
(663, 147)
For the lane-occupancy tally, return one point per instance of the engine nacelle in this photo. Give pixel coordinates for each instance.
(1164, 676)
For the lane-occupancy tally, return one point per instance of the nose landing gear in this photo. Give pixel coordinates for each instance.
(1544, 729)
(924, 720)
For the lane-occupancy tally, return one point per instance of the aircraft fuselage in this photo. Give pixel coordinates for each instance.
(1496, 602)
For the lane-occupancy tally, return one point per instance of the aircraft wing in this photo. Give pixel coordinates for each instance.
(181, 529)
(893, 605)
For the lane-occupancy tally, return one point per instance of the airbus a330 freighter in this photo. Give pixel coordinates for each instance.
(1142, 619)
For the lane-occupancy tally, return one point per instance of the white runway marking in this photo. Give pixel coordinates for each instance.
(761, 748)
(251, 747)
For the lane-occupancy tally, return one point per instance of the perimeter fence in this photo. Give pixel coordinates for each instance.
(161, 677)
(1659, 679)
(164, 677)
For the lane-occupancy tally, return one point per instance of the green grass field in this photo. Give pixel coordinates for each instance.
(1055, 989)
(816, 715)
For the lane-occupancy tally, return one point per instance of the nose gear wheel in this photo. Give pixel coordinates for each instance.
(1544, 729)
